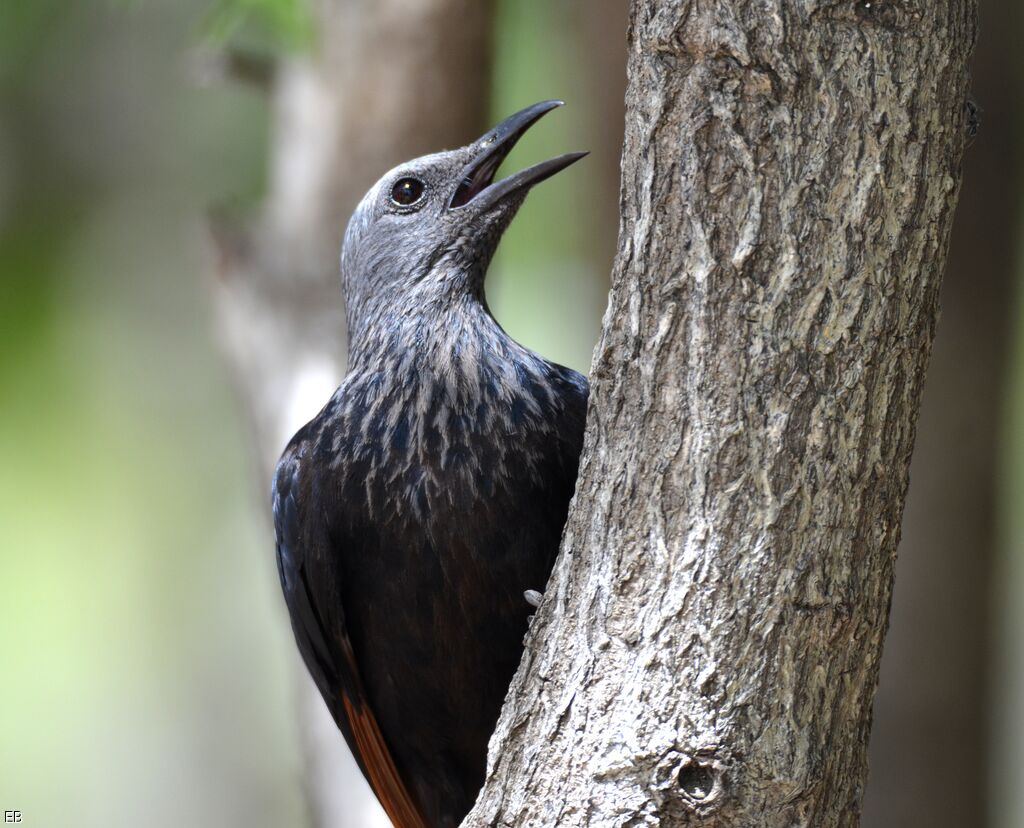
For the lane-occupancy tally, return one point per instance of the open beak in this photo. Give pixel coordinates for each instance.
(477, 185)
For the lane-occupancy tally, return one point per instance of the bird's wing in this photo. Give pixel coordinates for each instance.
(319, 624)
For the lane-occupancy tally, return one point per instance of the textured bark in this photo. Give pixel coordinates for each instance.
(934, 709)
(387, 81)
(708, 647)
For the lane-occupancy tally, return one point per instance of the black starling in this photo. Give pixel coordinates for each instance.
(414, 511)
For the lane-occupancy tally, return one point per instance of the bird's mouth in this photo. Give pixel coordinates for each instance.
(477, 186)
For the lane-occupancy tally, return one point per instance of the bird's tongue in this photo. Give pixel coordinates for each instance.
(477, 181)
(478, 176)
(493, 148)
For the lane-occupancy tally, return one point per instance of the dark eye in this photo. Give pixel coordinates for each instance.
(407, 191)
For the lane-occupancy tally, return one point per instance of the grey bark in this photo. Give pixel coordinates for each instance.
(934, 711)
(386, 81)
(708, 647)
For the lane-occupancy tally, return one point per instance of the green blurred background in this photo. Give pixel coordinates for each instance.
(148, 673)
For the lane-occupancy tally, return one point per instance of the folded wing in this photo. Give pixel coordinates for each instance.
(304, 557)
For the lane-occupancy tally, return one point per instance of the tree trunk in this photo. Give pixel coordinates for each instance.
(387, 81)
(934, 711)
(709, 643)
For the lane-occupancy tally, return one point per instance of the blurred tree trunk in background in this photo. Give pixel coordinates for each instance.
(709, 643)
(600, 34)
(930, 747)
(385, 81)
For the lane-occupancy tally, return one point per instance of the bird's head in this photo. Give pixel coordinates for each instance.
(426, 231)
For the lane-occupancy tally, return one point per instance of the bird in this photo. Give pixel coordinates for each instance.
(418, 514)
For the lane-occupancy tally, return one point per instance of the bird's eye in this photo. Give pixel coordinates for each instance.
(407, 192)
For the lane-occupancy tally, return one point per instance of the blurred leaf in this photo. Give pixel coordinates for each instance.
(23, 24)
(286, 21)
